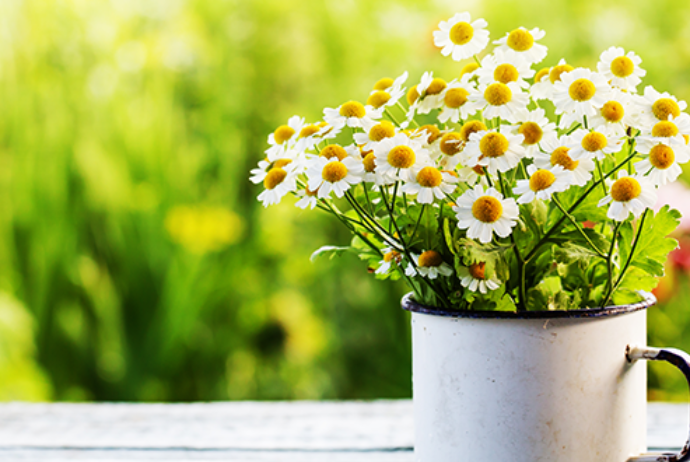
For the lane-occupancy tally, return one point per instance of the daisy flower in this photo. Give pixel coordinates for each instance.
(259, 173)
(277, 183)
(664, 157)
(672, 131)
(460, 37)
(456, 104)
(395, 156)
(594, 143)
(307, 198)
(557, 152)
(542, 183)
(541, 88)
(389, 94)
(382, 130)
(387, 83)
(430, 92)
(283, 137)
(617, 114)
(520, 43)
(449, 148)
(533, 126)
(483, 213)
(504, 68)
(657, 106)
(469, 71)
(496, 150)
(629, 194)
(473, 175)
(620, 69)
(430, 265)
(325, 175)
(500, 100)
(581, 92)
(474, 278)
(427, 182)
(390, 257)
(352, 114)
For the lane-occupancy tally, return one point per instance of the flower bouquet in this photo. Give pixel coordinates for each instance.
(509, 186)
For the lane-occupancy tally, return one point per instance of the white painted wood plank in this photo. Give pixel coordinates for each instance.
(196, 455)
(380, 431)
(239, 425)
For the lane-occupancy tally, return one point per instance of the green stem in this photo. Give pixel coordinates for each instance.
(390, 114)
(632, 251)
(601, 176)
(577, 226)
(609, 265)
(572, 208)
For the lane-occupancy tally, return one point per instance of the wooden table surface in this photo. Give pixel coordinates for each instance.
(378, 431)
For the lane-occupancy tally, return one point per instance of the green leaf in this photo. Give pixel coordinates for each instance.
(470, 251)
(587, 210)
(331, 251)
(654, 246)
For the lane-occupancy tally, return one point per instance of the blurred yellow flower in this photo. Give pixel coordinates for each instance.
(203, 228)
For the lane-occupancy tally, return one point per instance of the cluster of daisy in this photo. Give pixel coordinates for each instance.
(502, 134)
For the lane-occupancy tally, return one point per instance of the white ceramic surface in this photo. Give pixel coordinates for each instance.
(528, 390)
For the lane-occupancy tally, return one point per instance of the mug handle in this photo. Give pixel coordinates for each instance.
(681, 360)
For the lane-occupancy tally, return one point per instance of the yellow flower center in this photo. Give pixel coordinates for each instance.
(471, 126)
(478, 270)
(625, 189)
(333, 150)
(557, 71)
(384, 83)
(429, 177)
(381, 131)
(461, 33)
(401, 157)
(455, 97)
(560, 157)
(280, 163)
(451, 143)
(520, 40)
(661, 156)
(309, 130)
(487, 209)
(493, 145)
(612, 111)
(378, 98)
(469, 68)
(505, 73)
(622, 66)
(478, 169)
(541, 74)
(334, 171)
(274, 177)
(412, 95)
(498, 94)
(594, 142)
(541, 180)
(353, 109)
(532, 132)
(369, 162)
(392, 255)
(665, 106)
(436, 86)
(283, 133)
(433, 133)
(665, 129)
(430, 258)
(582, 90)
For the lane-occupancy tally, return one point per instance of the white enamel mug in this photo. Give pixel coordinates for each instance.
(556, 386)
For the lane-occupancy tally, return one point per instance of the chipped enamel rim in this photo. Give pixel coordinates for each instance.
(409, 304)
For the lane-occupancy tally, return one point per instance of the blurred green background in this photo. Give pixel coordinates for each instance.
(135, 261)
